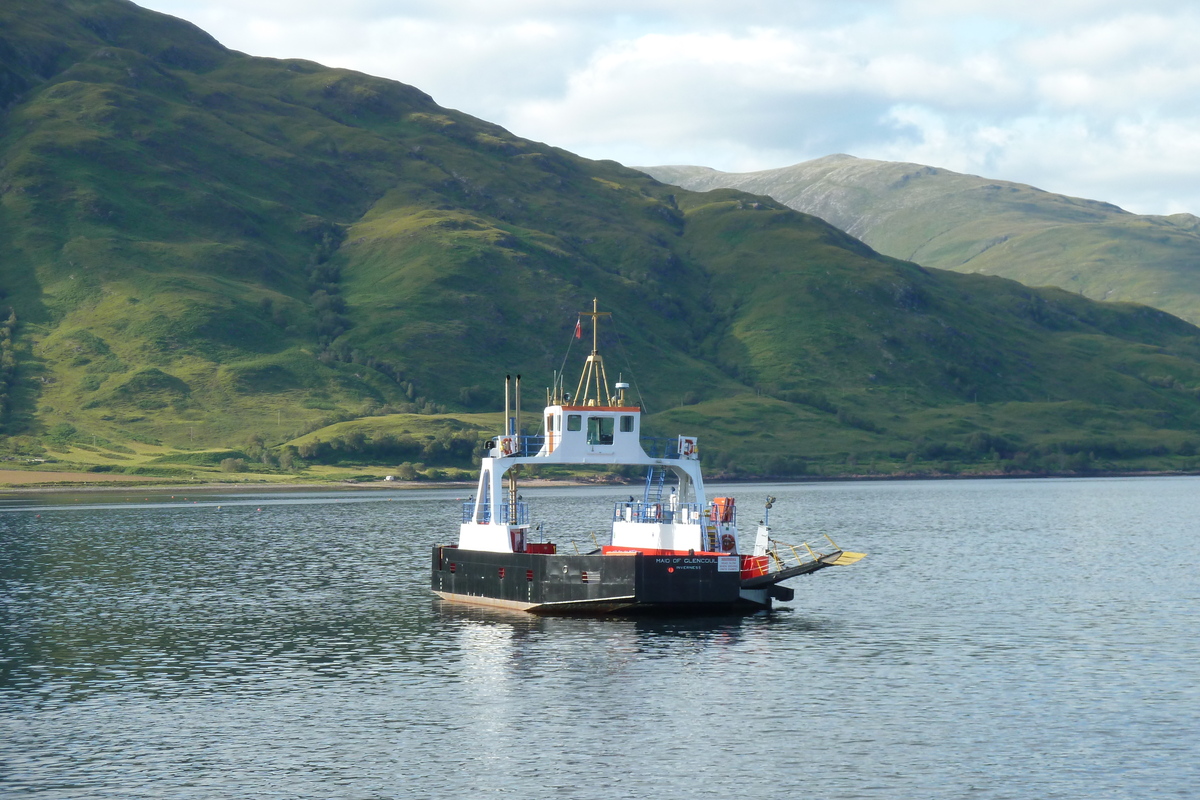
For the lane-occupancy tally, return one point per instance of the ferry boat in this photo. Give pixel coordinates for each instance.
(674, 550)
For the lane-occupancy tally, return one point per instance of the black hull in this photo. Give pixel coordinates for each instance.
(593, 584)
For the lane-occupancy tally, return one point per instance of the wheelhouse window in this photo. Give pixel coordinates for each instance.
(574, 421)
(600, 430)
(627, 423)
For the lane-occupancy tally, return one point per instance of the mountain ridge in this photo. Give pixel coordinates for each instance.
(202, 248)
(967, 223)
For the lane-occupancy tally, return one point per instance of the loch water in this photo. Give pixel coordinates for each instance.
(1003, 639)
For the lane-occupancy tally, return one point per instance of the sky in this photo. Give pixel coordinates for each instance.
(1090, 98)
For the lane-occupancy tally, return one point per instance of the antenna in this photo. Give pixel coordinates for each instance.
(593, 368)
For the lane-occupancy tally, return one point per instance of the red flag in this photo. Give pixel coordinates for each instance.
(578, 329)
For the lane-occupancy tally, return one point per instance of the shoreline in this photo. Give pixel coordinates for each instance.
(113, 486)
(88, 483)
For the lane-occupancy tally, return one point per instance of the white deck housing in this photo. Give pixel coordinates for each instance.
(599, 428)
(600, 435)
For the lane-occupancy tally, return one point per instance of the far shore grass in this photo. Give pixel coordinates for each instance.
(42, 481)
(102, 466)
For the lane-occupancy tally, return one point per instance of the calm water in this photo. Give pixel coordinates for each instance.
(1004, 639)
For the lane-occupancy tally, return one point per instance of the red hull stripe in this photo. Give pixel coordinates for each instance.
(751, 566)
(611, 550)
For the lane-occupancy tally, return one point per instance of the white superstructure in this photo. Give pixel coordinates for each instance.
(598, 426)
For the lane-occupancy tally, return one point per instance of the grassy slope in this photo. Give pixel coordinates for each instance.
(947, 220)
(167, 205)
(877, 345)
(202, 246)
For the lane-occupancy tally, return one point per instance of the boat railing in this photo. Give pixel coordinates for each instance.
(660, 446)
(506, 513)
(521, 446)
(531, 445)
(641, 511)
(781, 556)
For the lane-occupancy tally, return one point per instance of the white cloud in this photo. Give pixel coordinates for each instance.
(1084, 97)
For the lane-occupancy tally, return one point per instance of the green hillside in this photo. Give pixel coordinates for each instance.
(233, 258)
(943, 219)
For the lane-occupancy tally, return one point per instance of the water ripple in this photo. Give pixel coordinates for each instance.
(1023, 639)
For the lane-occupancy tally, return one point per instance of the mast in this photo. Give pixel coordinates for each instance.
(593, 368)
(517, 448)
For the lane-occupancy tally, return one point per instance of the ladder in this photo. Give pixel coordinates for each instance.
(655, 478)
(710, 529)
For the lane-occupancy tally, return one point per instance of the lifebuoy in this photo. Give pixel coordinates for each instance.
(727, 542)
(689, 447)
(658, 511)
